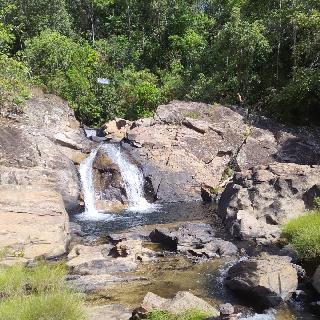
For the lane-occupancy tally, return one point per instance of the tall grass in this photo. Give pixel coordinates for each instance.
(37, 293)
(61, 305)
(19, 280)
(303, 234)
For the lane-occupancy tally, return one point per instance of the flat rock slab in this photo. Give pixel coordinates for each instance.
(107, 312)
(33, 222)
(95, 267)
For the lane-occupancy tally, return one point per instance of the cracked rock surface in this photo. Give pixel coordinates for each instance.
(189, 149)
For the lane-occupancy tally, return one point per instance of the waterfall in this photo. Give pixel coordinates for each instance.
(86, 175)
(132, 177)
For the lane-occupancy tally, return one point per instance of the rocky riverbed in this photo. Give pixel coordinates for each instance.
(220, 185)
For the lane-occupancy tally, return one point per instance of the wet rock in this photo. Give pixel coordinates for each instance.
(109, 187)
(258, 201)
(266, 280)
(226, 313)
(193, 239)
(315, 307)
(108, 259)
(99, 282)
(226, 309)
(316, 280)
(182, 302)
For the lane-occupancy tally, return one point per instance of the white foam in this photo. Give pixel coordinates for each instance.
(133, 179)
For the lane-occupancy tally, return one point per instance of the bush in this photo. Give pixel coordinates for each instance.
(304, 235)
(51, 306)
(188, 315)
(66, 68)
(138, 93)
(14, 78)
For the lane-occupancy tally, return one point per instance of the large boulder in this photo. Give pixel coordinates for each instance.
(266, 280)
(108, 184)
(188, 150)
(258, 201)
(116, 129)
(39, 181)
(33, 223)
(193, 239)
(187, 147)
(41, 147)
(181, 302)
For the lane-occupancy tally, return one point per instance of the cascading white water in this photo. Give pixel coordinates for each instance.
(132, 178)
(86, 175)
(269, 315)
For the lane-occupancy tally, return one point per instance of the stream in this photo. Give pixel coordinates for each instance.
(171, 273)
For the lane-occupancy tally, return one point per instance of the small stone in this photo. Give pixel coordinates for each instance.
(139, 313)
(226, 309)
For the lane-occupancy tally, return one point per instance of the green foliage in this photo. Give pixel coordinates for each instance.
(14, 78)
(215, 190)
(261, 54)
(18, 280)
(31, 17)
(227, 173)
(304, 235)
(51, 306)
(32, 293)
(139, 93)
(66, 67)
(188, 315)
(6, 29)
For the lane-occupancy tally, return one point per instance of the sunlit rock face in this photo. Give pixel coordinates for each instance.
(187, 150)
(39, 151)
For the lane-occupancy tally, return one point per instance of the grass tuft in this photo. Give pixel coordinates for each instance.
(303, 233)
(188, 315)
(37, 293)
(51, 306)
(19, 280)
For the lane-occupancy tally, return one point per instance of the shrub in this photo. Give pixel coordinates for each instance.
(304, 235)
(188, 315)
(52, 306)
(66, 68)
(14, 78)
(139, 93)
